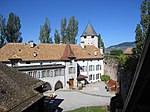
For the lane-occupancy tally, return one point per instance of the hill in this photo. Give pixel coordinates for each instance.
(121, 46)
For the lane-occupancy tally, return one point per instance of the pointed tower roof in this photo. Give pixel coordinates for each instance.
(68, 53)
(89, 30)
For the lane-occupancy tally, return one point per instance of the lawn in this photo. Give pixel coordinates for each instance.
(91, 109)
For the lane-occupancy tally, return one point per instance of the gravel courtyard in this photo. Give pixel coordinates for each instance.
(92, 95)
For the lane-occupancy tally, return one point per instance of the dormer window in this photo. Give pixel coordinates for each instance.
(34, 54)
(95, 53)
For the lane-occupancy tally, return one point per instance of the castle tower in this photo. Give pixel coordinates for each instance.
(89, 36)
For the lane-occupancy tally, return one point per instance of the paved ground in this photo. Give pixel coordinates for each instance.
(92, 95)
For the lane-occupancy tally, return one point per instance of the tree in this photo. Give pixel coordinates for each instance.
(13, 27)
(105, 78)
(63, 25)
(139, 39)
(72, 30)
(116, 52)
(45, 31)
(141, 29)
(68, 33)
(145, 16)
(100, 42)
(56, 37)
(2, 30)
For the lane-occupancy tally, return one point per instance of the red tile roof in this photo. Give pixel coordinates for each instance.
(128, 51)
(48, 51)
(68, 53)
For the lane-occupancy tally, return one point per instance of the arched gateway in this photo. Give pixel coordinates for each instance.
(58, 85)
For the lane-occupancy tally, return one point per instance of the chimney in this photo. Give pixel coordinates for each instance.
(82, 44)
(32, 44)
(101, 50)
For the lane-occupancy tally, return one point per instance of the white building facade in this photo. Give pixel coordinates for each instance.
(61, 65)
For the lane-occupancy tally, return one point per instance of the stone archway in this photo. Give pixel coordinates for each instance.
(47, 86)
(58, 85)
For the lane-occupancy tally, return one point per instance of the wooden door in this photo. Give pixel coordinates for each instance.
(71, 82)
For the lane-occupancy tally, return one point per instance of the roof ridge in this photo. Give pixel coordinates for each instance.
(68, 53)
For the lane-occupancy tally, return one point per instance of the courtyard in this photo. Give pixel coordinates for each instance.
(93, 94)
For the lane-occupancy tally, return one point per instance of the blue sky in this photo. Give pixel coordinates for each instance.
(115, 20)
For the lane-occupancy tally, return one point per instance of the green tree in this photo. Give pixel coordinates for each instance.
(2, 30)
(141, 29)
(139, 39)
(63, 27)
(72, 30)
(13, 29)
(116, 52)
(45, 31)
(105, 78)
(145, 16)
(56, 37)
(100, 42)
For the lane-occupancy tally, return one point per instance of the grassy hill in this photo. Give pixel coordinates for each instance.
(121, 46)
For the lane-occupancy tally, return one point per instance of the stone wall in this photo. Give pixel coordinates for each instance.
(111, 66)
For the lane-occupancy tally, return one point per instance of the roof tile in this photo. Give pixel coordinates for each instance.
(48, 51)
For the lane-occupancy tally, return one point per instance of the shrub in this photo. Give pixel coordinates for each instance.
(105, 78)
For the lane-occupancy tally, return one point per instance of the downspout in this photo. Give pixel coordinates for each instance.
(87, 69)
(65, 77)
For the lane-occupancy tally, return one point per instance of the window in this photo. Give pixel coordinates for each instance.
(43, 74)
(98, 67)
(92, 36)
(51, 73)
(97, 76)
(34, 74)
(93, 67)
(93, 76)
(59, 72)
(90, 68)
(30, 73)
(90, 77)
(71, 70)
(38, 74)
(84, 68)
(56, 73)
(47, 73)
(62, 72)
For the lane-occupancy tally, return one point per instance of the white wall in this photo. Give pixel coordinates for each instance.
(90, 41)
(93, 72)
(72, 75)
(67, 76)
(40, 62)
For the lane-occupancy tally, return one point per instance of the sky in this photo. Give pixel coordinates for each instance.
(115, 20)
